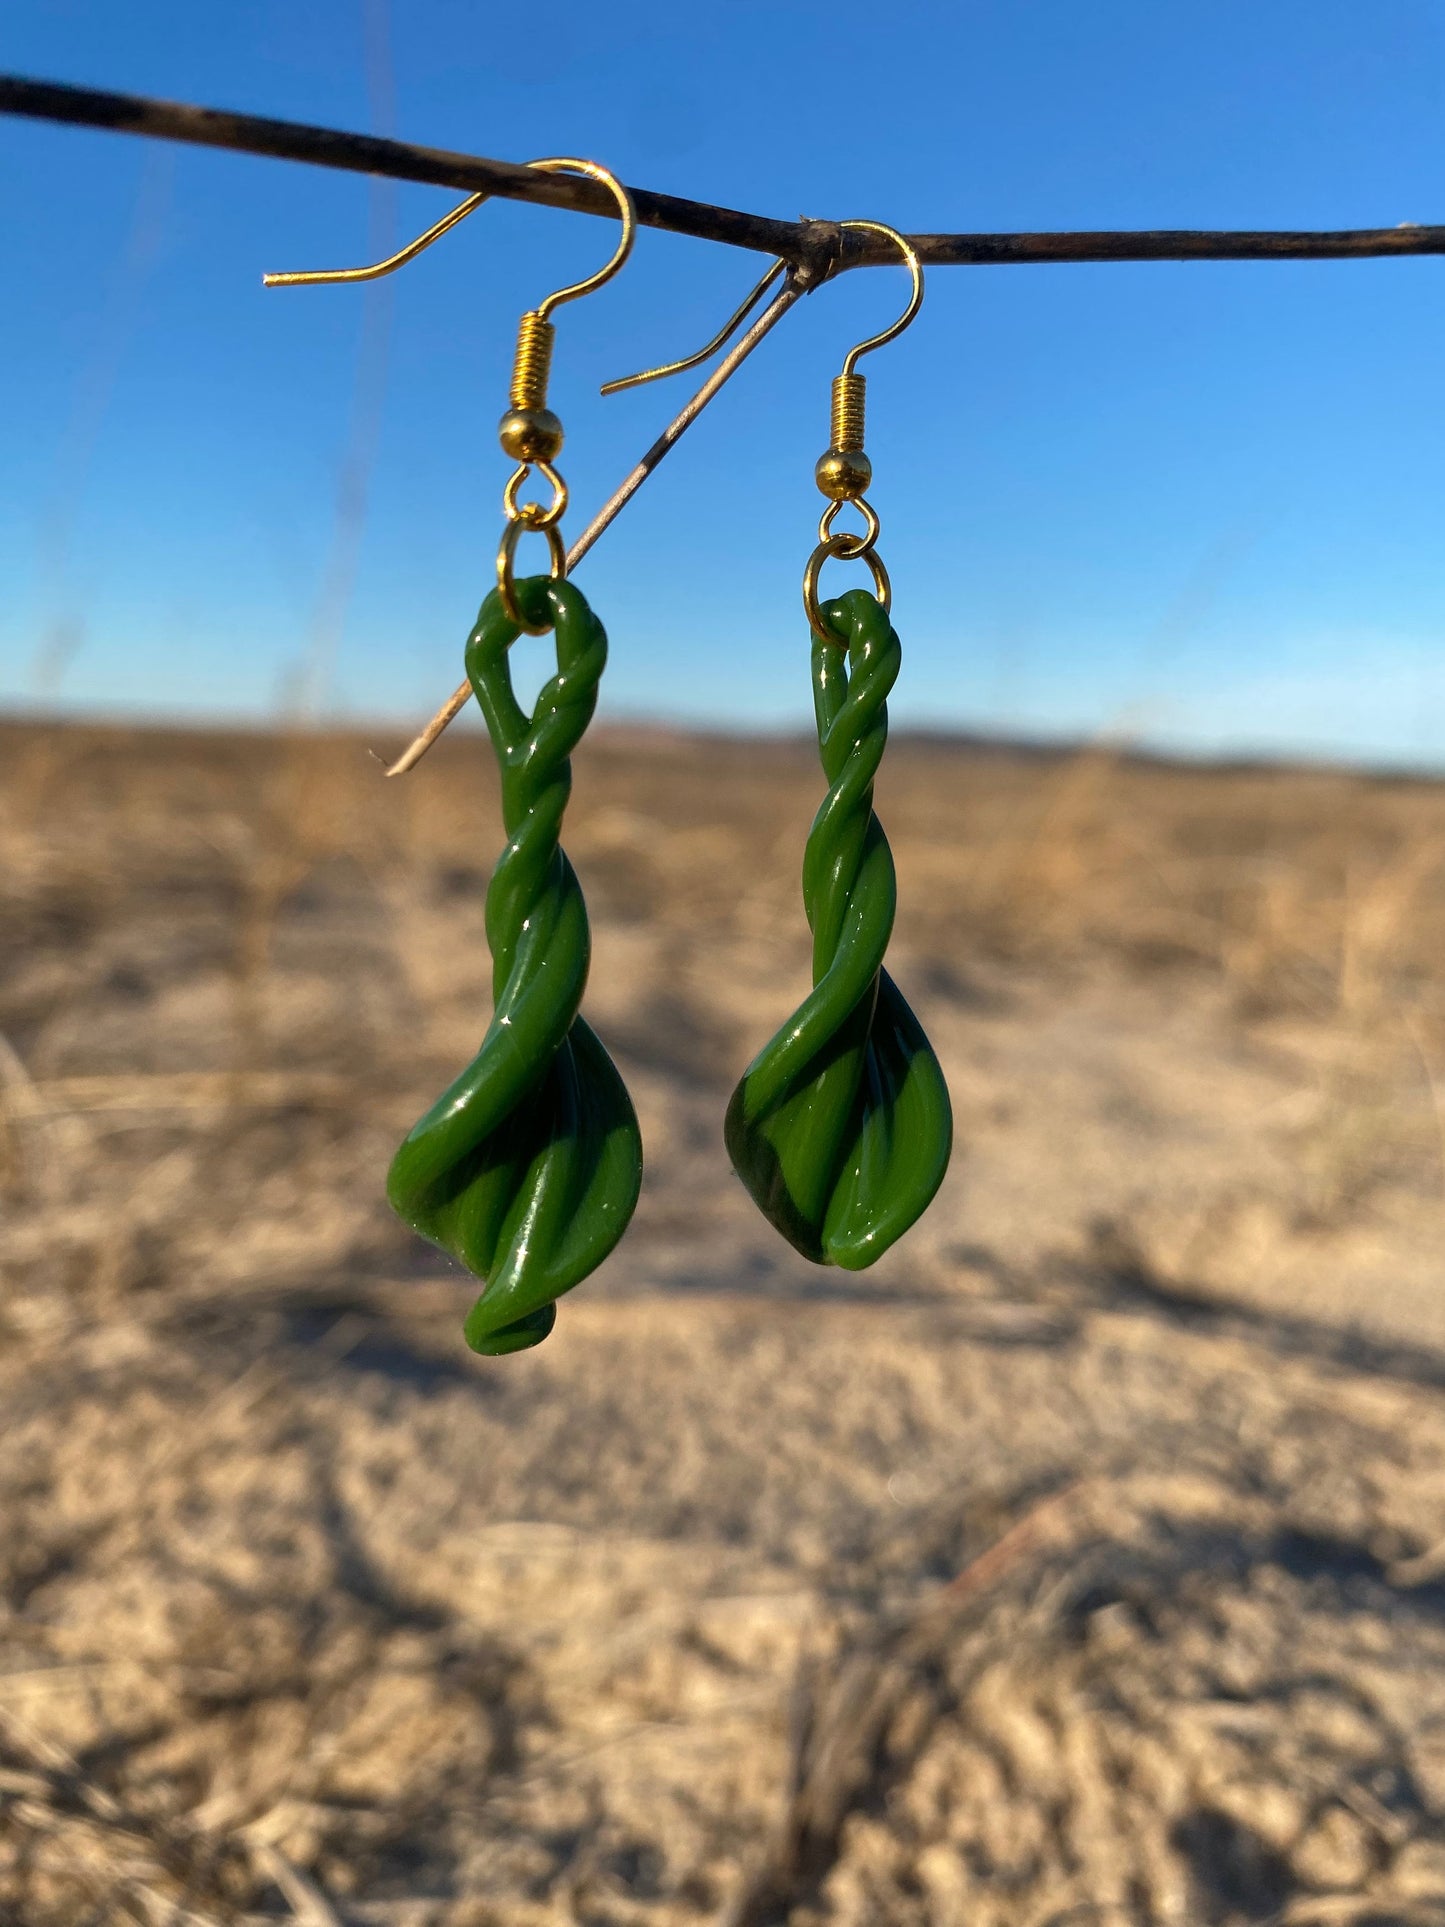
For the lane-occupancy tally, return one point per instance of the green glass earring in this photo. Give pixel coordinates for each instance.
(528, 1166)
(841, 1126)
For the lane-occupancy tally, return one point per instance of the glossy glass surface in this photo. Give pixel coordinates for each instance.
(527, 1168)
(841, 1127)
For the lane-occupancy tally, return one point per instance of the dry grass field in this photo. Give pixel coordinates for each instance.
(1082, 1563)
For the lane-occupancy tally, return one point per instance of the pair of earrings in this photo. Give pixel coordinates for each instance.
(528, 1167)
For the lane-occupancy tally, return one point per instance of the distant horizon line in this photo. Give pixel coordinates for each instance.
(25, 713)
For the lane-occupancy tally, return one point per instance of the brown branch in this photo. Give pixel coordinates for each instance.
(405, 161)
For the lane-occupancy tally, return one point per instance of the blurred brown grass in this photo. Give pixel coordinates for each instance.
(1081, 1562)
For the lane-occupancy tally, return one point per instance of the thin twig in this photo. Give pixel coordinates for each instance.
(839, 1719)
(405, 161)
(305, 1899)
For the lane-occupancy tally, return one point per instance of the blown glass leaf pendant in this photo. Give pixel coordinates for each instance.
(527, 1168)
(841, 1126)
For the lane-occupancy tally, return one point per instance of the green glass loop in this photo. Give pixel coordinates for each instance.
(527, 1168)
(841, 1127)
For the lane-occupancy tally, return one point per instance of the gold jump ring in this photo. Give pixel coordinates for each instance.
(536, 515)
(869, 534)
(842, 546)
(506, 558)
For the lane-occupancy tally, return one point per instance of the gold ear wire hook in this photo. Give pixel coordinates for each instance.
(316, 277)
(751, 300)
(734, 321)
(529, 432)
(844, 472)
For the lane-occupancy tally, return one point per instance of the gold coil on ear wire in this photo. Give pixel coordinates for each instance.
(533, 362)
(529, 431)
(850, 394)
(844, 472)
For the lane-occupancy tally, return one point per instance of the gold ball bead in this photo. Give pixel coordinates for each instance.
(843, 474)
(530, 434)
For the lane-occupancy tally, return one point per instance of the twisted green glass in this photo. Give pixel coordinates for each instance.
(841, 1126)
(528, 1167)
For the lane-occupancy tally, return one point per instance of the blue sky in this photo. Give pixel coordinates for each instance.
(1200, 505)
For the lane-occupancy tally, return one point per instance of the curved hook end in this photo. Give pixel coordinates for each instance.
(566, 164)
(915, 301)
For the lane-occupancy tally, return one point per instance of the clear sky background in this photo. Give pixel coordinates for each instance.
(1200, 505)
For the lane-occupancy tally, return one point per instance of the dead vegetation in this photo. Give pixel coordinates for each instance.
(1085, 1562)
